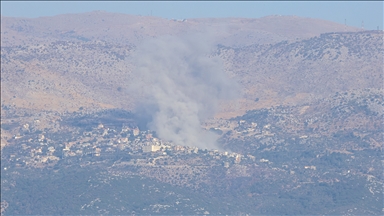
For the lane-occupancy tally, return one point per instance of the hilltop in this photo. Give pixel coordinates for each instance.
(129, 29)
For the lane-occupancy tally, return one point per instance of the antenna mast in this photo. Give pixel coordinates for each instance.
(345, 24)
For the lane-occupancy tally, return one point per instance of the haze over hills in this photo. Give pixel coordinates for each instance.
(52, 61)
(290, 73)
(129, 29)
(121, 114)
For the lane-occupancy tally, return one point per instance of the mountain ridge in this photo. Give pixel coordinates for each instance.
(60, 62)
(123, 27)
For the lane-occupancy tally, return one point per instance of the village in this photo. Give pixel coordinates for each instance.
(260, 149)
(38, 149)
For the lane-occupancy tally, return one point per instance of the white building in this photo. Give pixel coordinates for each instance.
(151, 148)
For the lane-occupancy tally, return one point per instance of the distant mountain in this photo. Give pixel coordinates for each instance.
(79, 60)
(129, 29)
(294, 72)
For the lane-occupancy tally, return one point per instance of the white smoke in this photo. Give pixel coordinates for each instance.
(181, 84)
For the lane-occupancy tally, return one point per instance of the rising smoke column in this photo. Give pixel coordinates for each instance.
(181, 85)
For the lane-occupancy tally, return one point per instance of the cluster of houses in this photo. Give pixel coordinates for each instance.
(45, 148)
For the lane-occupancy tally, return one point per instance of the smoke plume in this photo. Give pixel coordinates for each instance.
(181, 84)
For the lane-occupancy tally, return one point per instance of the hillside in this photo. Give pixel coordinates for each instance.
(321, 157)
(291, 73)
(106, 113)
(61, 73)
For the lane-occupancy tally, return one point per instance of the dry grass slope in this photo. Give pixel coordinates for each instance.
(66, 62)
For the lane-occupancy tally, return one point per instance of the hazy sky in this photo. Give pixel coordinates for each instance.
(354, 12)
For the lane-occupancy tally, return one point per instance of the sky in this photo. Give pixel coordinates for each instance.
(353, 13)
